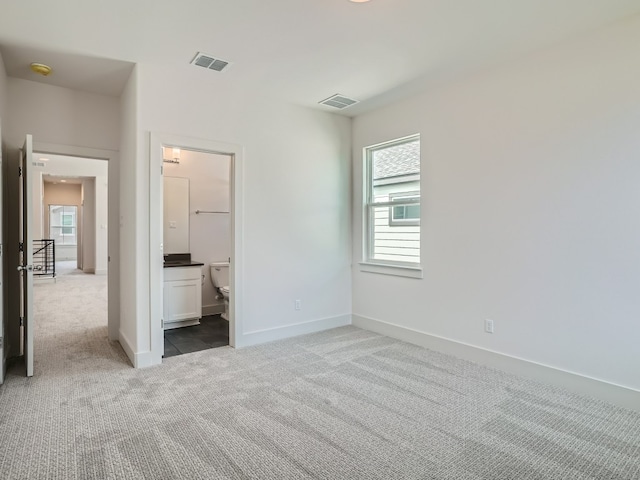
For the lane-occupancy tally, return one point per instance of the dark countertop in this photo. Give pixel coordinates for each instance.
(180, 260)
(182, 263)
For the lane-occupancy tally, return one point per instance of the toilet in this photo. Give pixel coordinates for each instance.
(220, 279)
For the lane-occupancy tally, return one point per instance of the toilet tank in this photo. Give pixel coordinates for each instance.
(219, 274)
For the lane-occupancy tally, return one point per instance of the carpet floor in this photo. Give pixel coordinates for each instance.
(340, 404)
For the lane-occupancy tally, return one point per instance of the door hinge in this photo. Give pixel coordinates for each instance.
(19, 171)
(21, 247)
(0, 249)
(162, 323)
(22, 321)
(1, 340)
(161, 170)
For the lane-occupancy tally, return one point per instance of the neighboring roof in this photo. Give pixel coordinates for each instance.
(403, 159)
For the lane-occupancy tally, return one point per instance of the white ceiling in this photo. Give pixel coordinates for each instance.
(80, 72)
(300, 51)
(61, 179)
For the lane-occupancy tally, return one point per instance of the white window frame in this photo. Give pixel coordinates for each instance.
(74, 227)
(397, 201)
(71, 215)
(369, 264)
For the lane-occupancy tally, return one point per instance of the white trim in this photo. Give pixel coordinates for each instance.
(126, 346)
(278, 333)
(236, 152)
(138, 360)
(396, 270)
(620, 395)
(369, 205)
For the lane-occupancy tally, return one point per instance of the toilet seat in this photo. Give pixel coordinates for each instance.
(225, 290)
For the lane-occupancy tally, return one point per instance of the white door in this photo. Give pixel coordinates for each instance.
(26, 252)
(3, 328)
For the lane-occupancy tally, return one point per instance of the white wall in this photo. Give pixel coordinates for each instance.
(296, 216)
(89, 226)
(133, 334)
(59, 116)
(209, 234)
(530, 208)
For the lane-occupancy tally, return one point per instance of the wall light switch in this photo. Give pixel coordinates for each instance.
(173, 225)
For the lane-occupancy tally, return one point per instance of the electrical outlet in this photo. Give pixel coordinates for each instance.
(488, 326)
(297, 305)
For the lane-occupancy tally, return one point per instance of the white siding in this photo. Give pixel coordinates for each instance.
(399, 243)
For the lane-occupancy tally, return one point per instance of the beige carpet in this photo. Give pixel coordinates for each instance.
(342, 404)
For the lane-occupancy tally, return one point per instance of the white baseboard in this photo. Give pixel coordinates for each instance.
(575, 382)
(212, 309)
(126, 346)
(89, 270)
(278, 333)
(138, 360)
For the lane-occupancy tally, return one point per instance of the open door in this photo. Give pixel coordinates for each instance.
(25, 267)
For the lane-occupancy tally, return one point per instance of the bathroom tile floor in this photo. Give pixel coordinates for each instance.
(212, 332)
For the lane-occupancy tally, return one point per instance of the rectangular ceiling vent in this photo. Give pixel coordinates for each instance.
(338, 101)
(208, 61)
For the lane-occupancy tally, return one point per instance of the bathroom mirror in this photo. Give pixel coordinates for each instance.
(176, 215)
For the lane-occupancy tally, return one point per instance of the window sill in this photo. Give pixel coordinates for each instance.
(396, 270)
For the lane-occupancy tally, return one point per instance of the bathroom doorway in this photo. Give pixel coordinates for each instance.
(196, 237)
(194, 206)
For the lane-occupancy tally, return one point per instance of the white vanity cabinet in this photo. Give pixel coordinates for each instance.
(182, 296)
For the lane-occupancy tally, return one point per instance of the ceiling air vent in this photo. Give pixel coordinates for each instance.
(208, 61)
(338, 101)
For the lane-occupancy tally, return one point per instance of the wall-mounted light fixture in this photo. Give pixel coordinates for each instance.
(170, 155)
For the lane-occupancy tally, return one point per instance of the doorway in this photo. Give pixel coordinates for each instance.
(68, 158)
(159, 144)
(70, 196)
(196, 236)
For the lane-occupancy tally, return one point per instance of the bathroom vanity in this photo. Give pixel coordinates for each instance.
(182, 291)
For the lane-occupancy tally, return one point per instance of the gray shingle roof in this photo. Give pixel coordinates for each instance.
(398, 160)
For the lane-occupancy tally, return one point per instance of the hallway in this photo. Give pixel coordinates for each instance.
(71, 325)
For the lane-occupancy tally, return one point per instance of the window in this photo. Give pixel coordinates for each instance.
(405, 214)
(62, 224)
(392, 204)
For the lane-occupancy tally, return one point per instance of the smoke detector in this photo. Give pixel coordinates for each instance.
(338, 101)
(209, 62)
